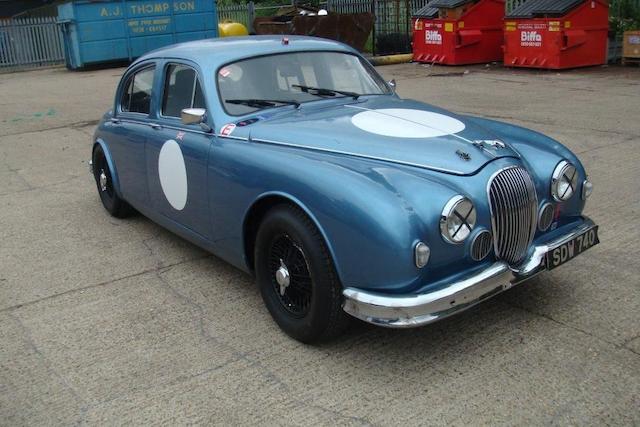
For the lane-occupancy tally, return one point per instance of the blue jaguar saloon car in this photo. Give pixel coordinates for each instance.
(293, 160)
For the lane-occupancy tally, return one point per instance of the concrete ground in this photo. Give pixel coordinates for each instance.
(106, 321)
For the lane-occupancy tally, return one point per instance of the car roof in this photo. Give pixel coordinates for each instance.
(219, 51)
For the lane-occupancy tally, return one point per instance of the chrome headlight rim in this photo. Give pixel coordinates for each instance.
(457, 234)
(564, 172)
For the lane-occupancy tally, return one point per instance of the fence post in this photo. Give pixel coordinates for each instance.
(252, 15)
(373, 31)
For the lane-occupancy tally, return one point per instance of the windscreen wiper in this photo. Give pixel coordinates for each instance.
(262, 103)
(326, 92)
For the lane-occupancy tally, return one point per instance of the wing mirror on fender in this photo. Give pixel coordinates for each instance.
(393, 84)
(195, 116)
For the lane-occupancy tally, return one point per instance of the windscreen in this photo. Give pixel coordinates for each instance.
(296, 77)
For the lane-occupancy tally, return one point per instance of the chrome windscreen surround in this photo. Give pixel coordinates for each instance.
(481, 245)
(514, 210)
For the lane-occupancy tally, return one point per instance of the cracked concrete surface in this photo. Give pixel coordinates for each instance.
(106, 321)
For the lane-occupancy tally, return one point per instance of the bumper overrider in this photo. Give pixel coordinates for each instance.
(406, 311)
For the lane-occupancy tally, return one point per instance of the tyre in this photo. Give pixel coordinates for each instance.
(104, 182)
(297, 278)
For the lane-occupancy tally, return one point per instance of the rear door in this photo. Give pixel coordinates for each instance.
(177, 154)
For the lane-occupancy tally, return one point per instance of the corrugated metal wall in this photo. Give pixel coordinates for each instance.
(30, 42)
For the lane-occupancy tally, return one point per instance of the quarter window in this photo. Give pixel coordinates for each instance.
(181, 90)
(137, 95)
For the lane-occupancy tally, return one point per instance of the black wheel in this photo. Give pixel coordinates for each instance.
(110, 200)
(297, 278)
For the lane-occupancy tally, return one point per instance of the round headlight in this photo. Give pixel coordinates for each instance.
(564, 181)
(457, 220)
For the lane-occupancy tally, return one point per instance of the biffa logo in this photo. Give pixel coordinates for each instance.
(432, 37)
(530, 38)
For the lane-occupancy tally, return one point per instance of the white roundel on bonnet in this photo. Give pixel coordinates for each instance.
(173, 174)
(406, 123)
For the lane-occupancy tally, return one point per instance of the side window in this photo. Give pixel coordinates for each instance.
(181, 90)
(137, 96)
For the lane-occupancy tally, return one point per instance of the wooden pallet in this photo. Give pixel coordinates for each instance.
(628, 61)
(631, 47)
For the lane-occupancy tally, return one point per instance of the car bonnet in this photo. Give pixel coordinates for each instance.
(383, 128)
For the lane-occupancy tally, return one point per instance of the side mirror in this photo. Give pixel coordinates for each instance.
(392, 83)
(193, 116)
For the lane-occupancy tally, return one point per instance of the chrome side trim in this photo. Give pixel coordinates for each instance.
(406, 311)
(165, 126)
(237, 138)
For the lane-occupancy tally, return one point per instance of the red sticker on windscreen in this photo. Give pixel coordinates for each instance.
(224, 72)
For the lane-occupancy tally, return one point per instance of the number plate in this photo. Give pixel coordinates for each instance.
(572, 248)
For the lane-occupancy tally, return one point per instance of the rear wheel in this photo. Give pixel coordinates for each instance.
(297, 278)
(106, 190)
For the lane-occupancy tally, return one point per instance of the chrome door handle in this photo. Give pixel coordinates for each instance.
(115, 121)
(156, 126)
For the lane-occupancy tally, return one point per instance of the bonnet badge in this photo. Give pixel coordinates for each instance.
(463, 155)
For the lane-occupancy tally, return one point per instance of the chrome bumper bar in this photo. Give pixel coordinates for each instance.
(406, 311)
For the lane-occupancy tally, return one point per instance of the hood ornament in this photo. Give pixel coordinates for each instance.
(495, 143)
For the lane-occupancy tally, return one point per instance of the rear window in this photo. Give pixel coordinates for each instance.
(137, 96)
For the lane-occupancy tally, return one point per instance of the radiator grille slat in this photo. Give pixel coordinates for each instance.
(513, 203)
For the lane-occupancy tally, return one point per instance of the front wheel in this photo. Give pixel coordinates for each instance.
(106, 190)
(297, 278)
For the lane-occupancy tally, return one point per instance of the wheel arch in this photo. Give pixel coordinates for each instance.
(99, 142)
(256, 213)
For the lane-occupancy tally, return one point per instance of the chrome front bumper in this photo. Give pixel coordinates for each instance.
(406, 311)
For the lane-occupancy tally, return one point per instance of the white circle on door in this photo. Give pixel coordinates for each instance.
(173, 174)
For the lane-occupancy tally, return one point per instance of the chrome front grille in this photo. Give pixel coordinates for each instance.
(513, 202)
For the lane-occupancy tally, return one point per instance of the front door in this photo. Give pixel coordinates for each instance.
(177, 154)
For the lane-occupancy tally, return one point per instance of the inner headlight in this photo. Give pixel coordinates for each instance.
(564, 181)
(457, 220)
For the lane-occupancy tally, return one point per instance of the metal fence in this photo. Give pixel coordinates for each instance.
(30, 42)
(392, 29)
